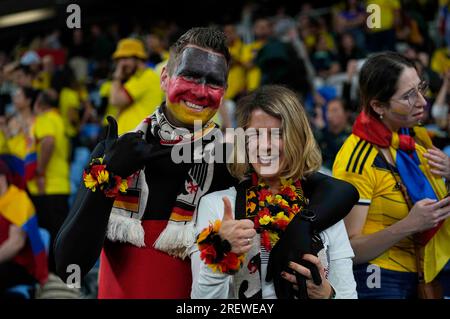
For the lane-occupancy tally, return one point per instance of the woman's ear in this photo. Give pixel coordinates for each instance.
(377, 106)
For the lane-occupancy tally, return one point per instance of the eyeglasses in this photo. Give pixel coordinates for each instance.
(413, 96)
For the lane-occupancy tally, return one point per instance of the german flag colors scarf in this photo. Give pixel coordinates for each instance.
(128, 210)
(416, 176)
(17, 208)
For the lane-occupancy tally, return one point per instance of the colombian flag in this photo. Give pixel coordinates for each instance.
(17, 208)
(436, 240)
(22, 170)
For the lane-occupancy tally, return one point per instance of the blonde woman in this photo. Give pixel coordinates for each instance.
(262, 239)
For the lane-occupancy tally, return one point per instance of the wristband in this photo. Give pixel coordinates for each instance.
(216, 253)
(96, 176)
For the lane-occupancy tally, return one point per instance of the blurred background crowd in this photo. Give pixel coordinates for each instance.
(315, 48)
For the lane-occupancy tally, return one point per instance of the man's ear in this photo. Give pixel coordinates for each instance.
(164, 78)
(377, 106)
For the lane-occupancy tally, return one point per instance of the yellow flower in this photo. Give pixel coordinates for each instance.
(103, 177)
(273, 238)
(90, 182)
(251, 206)
(281, 216)
(251, 195)
(216, 226)
(284, 202)
(123, 186)
(261, 203)
(265, 220)
(269, 199)
(286, 182)
(202, 236)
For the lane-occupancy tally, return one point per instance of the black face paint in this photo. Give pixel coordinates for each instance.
(202, 67)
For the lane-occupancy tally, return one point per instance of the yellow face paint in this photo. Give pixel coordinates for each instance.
(186, 115)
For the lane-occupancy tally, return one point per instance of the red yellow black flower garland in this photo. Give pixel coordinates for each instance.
(272, 213)
(96, 176)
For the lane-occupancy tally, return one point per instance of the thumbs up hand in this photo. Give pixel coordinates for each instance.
(239, 233)
(126, 154)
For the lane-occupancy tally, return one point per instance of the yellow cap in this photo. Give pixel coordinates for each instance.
(130, 47)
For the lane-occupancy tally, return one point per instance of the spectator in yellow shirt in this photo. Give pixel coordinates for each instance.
(135, 88)
(383, 36)
(50, 187)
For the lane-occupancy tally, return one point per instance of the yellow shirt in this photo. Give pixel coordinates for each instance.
(387, 16)
(359, 163)
(236, 76)
(50, 123)
(69, 99)
(440, 62)
(249, 52)
(145, 91)
(42, 81)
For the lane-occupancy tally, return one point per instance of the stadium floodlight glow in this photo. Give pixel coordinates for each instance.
(25, 17)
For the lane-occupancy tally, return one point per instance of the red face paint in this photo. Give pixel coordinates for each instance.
(180, 90)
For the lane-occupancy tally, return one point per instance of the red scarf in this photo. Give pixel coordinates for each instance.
(375, 132)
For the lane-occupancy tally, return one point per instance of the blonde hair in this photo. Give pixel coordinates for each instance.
(301, 152)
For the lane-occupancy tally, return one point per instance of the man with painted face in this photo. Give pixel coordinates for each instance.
(143, 236)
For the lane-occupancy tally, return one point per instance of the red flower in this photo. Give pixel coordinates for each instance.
(208, 254)
(281, 224)
(115, 186)
(256, 222)
(287, 191)
(263, 193)
(265, 240)
(230, 263)
(264, 212)
(95, 169)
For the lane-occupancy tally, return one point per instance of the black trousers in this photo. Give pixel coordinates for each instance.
(51, 212)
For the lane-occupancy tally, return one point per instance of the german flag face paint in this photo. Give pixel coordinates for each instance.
(195, 89)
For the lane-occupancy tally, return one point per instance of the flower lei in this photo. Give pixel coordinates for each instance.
(96, 176)
(272, 213)
(216, 253)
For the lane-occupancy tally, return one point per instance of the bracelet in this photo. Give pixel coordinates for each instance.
(216, 253)
(97, 176)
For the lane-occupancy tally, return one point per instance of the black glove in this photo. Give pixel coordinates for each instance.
(293, 244)
(126, 154)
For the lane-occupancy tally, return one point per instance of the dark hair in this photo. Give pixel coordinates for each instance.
(48, 98)
(30, 94)
(378, 79)
(25, 69)
(208, 38)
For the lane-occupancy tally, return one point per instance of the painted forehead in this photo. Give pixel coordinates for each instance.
(201, 63)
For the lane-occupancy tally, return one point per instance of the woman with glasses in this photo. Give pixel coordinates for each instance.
(400, 229)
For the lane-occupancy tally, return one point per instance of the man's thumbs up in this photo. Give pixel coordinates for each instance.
(111, 135)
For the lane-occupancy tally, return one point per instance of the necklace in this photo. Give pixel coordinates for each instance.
(272, 213)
